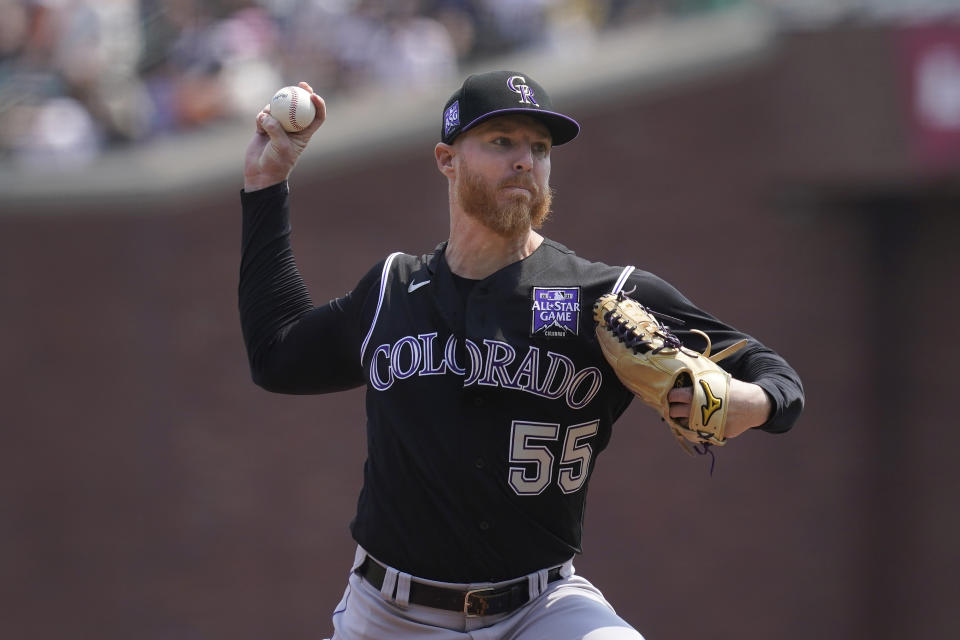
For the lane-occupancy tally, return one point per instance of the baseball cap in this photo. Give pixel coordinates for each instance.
(488, 95)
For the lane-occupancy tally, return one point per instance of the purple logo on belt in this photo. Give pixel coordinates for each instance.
(556, 311)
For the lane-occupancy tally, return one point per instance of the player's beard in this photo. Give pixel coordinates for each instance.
(520, 213)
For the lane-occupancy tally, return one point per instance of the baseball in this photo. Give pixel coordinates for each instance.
(292, 107)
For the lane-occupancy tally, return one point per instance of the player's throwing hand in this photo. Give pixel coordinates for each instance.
(272, 153)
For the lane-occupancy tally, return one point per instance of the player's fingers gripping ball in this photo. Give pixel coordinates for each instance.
(650, 360)
(293, 108)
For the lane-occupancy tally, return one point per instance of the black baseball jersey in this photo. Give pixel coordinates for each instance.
(488, 402)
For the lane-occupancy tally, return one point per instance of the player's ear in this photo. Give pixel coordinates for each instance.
(444, 154)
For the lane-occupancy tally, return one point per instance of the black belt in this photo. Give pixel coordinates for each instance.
(475, 602)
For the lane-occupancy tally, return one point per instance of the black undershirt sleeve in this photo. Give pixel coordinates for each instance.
(293, 346)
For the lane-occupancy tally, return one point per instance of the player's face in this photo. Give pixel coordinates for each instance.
(503, 174)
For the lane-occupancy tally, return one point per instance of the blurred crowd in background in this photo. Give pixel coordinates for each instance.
(81, 76)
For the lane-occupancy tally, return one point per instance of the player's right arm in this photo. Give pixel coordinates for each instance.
(293, 346)
(272, 153)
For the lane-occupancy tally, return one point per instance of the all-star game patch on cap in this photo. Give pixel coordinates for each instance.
(487, 95)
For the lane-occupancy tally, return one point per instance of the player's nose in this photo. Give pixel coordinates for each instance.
(523, 161)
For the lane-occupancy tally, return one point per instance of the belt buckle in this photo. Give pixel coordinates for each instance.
(481, 607)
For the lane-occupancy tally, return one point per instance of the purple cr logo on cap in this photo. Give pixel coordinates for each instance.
(526, 93)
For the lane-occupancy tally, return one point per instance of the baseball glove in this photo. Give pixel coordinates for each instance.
(650, 360)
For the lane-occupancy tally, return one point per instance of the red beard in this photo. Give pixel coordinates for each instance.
(510, 218)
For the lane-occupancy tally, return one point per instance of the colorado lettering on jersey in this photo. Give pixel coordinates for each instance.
(546, 374)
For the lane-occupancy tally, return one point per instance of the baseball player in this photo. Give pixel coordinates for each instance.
(488, 399)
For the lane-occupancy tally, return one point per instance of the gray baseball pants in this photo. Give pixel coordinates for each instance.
(567, 609)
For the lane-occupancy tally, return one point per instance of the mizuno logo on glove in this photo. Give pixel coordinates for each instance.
(712, 403)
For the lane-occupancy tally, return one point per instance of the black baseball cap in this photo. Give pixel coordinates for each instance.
(488, 95)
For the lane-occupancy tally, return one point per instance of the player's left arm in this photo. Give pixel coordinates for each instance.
(750, 406)
(765, 391)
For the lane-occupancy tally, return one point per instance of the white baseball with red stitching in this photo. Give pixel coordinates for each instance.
(292, 107)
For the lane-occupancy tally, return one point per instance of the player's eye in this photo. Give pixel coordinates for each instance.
(502, 141)
(541, 148)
